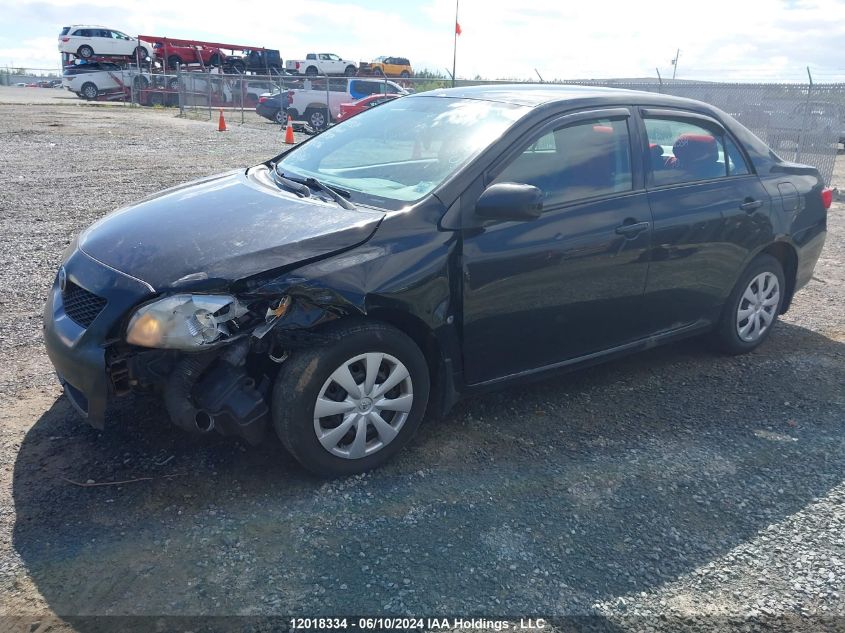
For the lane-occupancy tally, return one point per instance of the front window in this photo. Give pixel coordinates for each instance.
(403, 149)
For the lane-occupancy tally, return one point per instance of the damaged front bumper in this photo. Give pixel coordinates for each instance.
(86, 301)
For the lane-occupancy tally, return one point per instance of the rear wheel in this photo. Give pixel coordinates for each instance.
(174, 61)
(378, 72)
(280, 117)
(405, 74)
(317, 118)
(350, 406)
(215, 60)
(89, 90)
(85, 51)
(752, 307)
(238, 66)
(311, 71)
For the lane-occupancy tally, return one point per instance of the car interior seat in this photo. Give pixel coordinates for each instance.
(697, 155)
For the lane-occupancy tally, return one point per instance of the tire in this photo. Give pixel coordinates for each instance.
(280, 117)
(350, 71)
(292, 113)
(378, 72)
(173, 83)
(752, 308)
(215, 60)
(141, 53)
(309, 376)
(311, 71)
(89, 91)
(405, 74)
(140, 82)
(317, 118)
(173, 62)
(85, 52)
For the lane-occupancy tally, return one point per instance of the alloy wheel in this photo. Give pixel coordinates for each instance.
(318, 120)
(363, 405)
(757, 307)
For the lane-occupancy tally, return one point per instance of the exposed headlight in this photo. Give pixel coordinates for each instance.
(184, 321)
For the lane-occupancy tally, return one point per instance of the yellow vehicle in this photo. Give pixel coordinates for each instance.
(387, 67)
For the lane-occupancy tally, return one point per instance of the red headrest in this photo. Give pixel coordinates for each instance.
(604, 129)
(689, 148)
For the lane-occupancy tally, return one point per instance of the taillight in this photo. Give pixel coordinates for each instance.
(827, 197)
(66, 39)
(297, 65)
(262, 99)
(290, 97)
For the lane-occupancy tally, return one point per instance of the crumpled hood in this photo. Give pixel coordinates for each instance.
(228, 226)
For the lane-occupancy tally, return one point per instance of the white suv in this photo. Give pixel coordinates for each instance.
(92, 79)
(85, 41)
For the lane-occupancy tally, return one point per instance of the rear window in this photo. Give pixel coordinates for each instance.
(65, 30)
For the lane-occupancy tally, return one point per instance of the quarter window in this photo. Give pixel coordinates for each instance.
(736, 161)
(587, 159)
(681, 151)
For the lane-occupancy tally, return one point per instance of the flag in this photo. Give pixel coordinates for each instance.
(457, 28)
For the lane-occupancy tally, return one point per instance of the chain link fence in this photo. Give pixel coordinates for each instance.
(800, 122)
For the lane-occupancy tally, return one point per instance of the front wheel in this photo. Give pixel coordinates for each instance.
(141, 53)
(351, 405)
(752, 307)
(350, 71)
(405, 74)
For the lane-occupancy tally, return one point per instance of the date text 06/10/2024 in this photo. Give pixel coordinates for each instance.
(406, 623)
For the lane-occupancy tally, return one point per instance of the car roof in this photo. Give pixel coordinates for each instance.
(541, 94)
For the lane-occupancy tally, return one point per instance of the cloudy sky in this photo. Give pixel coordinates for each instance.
(773, 40)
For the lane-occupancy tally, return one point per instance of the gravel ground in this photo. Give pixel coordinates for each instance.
(672, 490)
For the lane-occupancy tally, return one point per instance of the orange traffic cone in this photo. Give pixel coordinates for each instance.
(289, 140)
(221, 124)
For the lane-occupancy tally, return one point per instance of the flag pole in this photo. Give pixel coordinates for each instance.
(455, 45)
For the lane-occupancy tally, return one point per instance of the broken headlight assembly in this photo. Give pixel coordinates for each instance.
(185, 321)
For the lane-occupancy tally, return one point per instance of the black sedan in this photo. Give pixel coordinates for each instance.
(272, 106)
(441, 244)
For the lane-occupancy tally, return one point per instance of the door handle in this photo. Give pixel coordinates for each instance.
(631, 229)
(750, 205)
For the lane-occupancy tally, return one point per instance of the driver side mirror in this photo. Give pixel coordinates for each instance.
(510, 201)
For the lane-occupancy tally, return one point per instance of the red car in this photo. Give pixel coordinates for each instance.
(180, 54)
(348, 110)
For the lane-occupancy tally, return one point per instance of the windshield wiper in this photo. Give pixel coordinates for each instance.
(300, 189)
(335, 193)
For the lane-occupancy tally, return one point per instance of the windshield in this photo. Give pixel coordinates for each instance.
(403, 149)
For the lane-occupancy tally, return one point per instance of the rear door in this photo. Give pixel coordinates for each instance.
(569, 284)
(709, 211)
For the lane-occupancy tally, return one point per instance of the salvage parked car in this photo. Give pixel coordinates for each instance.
(309, 104)
(86, 41)
(441, 244)
(348, 110)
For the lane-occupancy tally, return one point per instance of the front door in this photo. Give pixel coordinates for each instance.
(569, 284)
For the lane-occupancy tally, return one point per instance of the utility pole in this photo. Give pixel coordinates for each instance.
(455, 45)
(675, 63)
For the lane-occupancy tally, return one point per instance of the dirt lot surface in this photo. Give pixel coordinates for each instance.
(672, 484)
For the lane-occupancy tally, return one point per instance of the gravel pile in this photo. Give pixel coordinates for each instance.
(673, 490)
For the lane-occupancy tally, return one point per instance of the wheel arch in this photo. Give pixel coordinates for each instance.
(786, 254)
